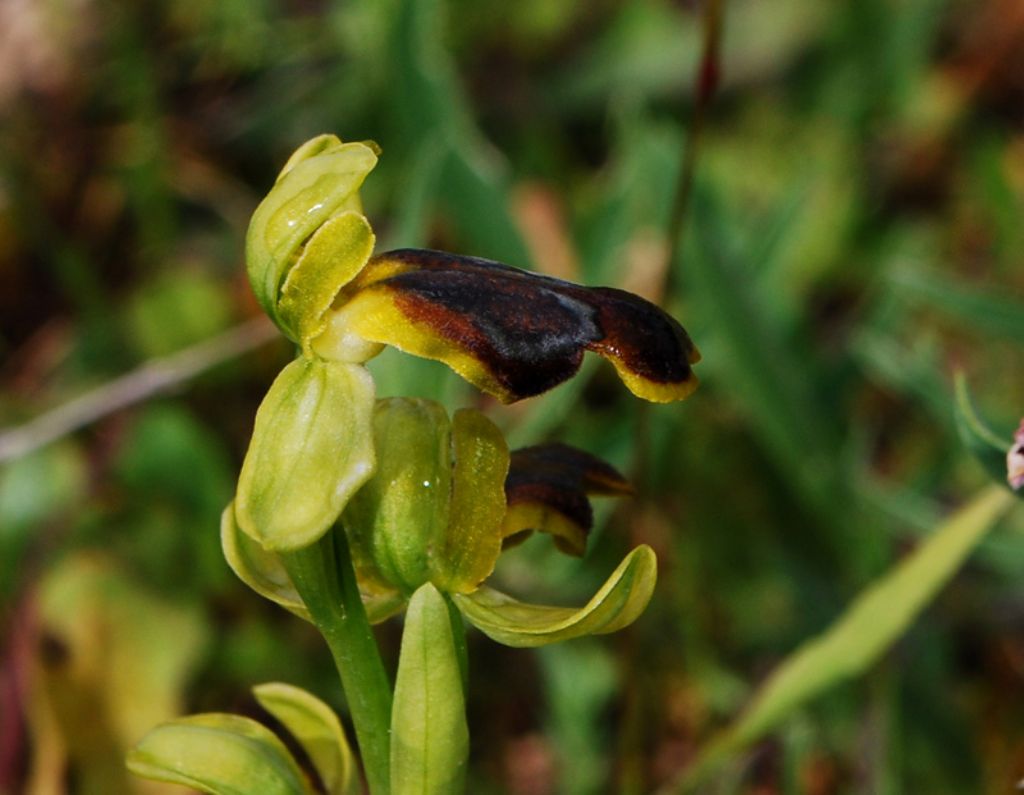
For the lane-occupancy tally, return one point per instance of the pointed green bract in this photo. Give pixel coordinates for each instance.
(617, 604)
(219, 754)
(317, 729)
(472, 541)
(311, 449)
(320, 181)
(429, 735)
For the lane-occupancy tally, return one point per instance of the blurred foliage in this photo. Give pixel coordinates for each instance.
(855, 235)
(108, 662)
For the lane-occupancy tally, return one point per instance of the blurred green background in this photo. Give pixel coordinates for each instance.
(854, 235)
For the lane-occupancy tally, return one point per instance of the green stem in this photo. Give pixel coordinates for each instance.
(324, 577)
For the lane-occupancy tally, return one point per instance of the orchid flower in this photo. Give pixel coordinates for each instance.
(349, 508)
(446, 498)
(512, 333)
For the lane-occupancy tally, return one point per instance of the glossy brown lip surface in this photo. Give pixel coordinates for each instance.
(560, 477)
(529, 332)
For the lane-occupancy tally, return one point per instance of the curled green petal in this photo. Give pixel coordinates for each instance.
(617, 604)
(472, 542)
(324, 143)
(219, 754)
(333, 257)
(317, 729)
(320, 181)
(429, 735)
(311, 449)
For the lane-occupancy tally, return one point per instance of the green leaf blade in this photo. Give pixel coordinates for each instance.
(218, 754)
(876, 619)
(318, 731)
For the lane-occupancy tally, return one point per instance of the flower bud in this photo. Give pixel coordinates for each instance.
(308, 238)
(433, 511)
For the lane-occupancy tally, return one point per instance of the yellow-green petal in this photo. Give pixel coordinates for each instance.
(333, 257)
(311, 449)
(321, 180)
(471, 545)
(317, 729)
(317, 145)
(219, 754)
(433, 511)
(617, 604)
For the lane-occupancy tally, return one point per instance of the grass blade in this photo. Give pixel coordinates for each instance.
(876, 619)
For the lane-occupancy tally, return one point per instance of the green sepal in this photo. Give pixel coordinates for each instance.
(257, 567)
(311, 449)
(319, 181)
(219, 754)
(617, 604)
(325, 143)
(265, 573)
(987, 447)
(472, 542)
(429, 735)
(317, 729)
(395, 519)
